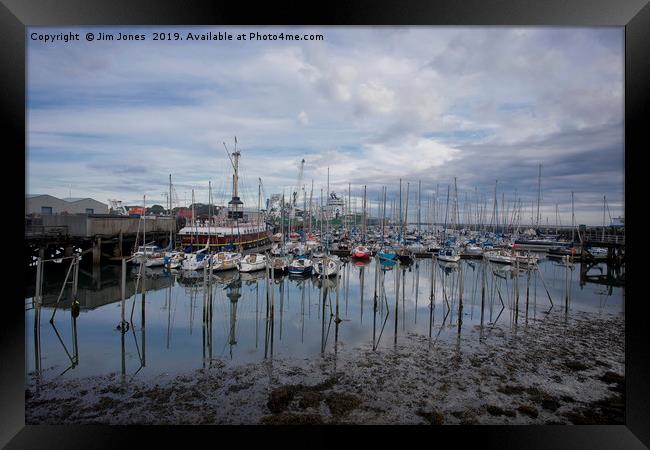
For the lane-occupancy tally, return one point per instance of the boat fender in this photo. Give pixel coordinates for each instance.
(75, 308)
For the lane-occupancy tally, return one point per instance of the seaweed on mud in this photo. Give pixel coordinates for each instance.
(310, 399)
(528, 410)
(106, 403)
(550, 404)
(607, 411)
(612, 377)
(497, 411)
(239, 387)
(433, 417)
(281, 397)
(511, 390)
(575, 365)
(342, 404)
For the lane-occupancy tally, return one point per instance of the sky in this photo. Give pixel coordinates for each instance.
(478, 106)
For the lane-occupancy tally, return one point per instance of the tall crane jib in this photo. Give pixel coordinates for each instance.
(298, 183)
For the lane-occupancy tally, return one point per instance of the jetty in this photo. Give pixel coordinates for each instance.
(104, 235)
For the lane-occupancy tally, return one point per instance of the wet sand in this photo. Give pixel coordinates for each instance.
(554, 370)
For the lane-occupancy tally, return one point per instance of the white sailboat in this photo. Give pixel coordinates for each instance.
(449, 254)
(196, 261)
(252, 262)
(327, 267)
(500, 256)
(301, 266)
(225, 261)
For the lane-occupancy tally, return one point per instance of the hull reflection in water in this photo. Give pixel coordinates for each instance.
(181, 320)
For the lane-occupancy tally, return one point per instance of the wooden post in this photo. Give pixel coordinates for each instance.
(38, 300)
(396, 300)
(483, 289)
(566, 284)
(516, 289)
(97, 251)
(122, 323)
(432, 274)
(460, 296)
(527, 287)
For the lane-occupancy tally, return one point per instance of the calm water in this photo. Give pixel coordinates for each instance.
(176, 327)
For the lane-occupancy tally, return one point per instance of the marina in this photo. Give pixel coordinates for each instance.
(228, 294)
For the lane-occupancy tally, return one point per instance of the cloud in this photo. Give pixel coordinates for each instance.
(303, 118)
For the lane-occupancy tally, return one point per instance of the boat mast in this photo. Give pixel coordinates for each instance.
(144, 224)
(401, 227)
(504, 213)
(435, 206)
(304, 208)
(282, 205)
(209, 212)
(236, 211)
(170, 194)
(365, 218)
(311, 193)
(539, 193)
(604, 205)
(383, 218)
(406, 213)
(349, 207)
(193, 218)
(430, 213)
(444, 231)
(572, 219)
(171, 214)
(494, 212)
(259, 204)
(419, 204)
(455, 217)
(327, 208)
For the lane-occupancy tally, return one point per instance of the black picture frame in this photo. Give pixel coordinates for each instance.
(15, 15)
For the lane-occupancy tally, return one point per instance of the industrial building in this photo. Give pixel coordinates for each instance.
(46, 205)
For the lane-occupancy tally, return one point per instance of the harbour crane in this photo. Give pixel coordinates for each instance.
(298, 183)
(118, 207)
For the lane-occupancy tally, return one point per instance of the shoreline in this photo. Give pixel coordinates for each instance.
(554, 370)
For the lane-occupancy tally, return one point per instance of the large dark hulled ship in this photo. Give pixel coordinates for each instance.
(234, 232)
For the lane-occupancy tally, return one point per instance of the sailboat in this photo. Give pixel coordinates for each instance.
(327, 267)
(360, 252)
(301, 266)
(196, 261)
(472, 250)
(279, 266)
(157, 257)
(252, 262)
(225, 261)
(449, 254)
(500, 256)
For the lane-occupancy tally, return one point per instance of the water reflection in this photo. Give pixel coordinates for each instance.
(254, 316)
